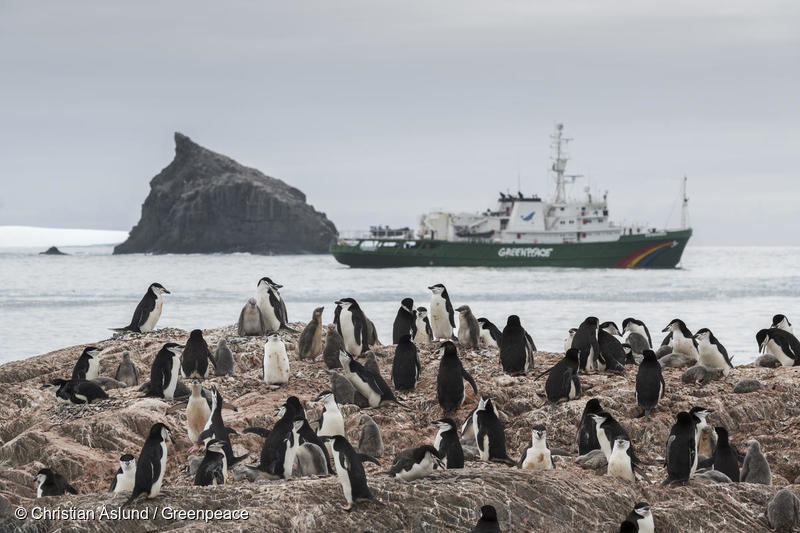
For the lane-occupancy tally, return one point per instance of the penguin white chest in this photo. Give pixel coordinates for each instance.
(605, 445)
(39, 490)
(125, 481)
(422, 332)
(417, 470)
(487, 339)
(332, 423)
(711, 357)
(155, 488)
(537, 459)
(288, 458)
(94, 367)
(440, 318)
(573, 392)
(152, 318)
(348, 333)
(619, 465)
(777, 351)
(437, 441)
(270, 318)
(169, 390)
(684, 345)
(344, 478)
(276, 363)
(198, 414)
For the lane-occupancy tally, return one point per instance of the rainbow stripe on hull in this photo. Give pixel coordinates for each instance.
(645, 256)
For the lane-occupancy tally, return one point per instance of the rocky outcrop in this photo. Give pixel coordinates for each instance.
(204, 202)
(85, 443)
(52, 251)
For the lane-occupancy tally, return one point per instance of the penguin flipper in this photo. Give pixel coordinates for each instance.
(239, 459)
(231, 431)
(365, 457)
(207, 434)
(73, 490)
(261, 432)
(544, 373)
(466, 375)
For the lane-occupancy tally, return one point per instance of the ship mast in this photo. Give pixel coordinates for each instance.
(685, 207)
(560, 158)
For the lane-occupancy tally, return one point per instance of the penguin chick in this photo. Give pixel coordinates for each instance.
(783, 511)
(309, 345)
(755, 468)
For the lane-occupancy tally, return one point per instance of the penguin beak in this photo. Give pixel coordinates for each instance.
(338, 302)
(166, 291)
(276, 286)
(666, 329)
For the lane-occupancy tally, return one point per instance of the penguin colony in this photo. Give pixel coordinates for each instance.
(293, 446)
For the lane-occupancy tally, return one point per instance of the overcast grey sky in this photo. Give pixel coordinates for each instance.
(380, 111)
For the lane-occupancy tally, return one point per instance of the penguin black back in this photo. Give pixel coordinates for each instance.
(405, 366)
(52, 484)
(272, 451)
(650, 385)
(587, 434)
(218, 429)
(449, 445)
(725, 457)
(585, 341)
(450, 379)
(405, 322)
(487, 523)
(195, 356)
(151, 463)
(562, 381)
(513, 347)
(681, 448)
(489, 433)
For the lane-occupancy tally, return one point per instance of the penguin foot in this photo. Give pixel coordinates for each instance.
(348, 507)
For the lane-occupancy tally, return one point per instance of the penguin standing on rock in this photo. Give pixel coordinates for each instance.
(469, 330)
(213, 470)
(165, 370)
(405, 366)
(223, 359)
(194, 361)
(442, 315)
(148, 311)
(350, 471)
(608, 430)
(330, 422)
(515, 350)
(585, 341)
(711, 352)
(450, 379)
(271, 305)
(309, 345)
(448, 444)
(610, 346)
(726, 460)
(126, 371)
(405, 322)
(681, 445)
(622, 461)
(489, 433)
(305, 433)
(780, 343)
(424, 333)
(198, 412)
(537, 456)
(563, 382)
(52, 484)
(152, 463)
(88, 364)
(273, 451)
(216, 429)
(755, 468)
(370, 441)
(680, 339)
(125, 477)
(587, 434)
(490, 335)
(650, 385)
(351, 324)
(251, 321)
(276, 362)
(487, 523)
(333, 345)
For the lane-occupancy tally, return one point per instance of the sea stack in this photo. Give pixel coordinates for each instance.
(205, 202)
(52, 251)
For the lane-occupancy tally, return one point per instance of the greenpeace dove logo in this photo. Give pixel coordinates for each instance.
(528, 217)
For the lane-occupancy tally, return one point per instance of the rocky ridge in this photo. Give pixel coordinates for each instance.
(85, 443)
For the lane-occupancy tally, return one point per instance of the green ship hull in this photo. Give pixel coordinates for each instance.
(650, 250)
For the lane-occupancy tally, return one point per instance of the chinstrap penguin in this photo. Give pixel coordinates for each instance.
(223, 359)
(468, 328)
(152, 463)
(213, 470)
(537, 456)
(88, 364)
(251, 321)
(490, 436)
(309, 345)
(52, 484)
(650, 386)
(405, 366)
(441, 314)
(424, 333)
(195, 356)
(276, 361)
(711, 352)
(351, 324)
(450, 379)
(405, 322)
(126, 371)
(125, 476)
(271, 305)
(490, 335)
(448, 444)
(165, 371)
(415, 463)
(148, 311)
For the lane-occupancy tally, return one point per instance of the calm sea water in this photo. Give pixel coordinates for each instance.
(49, 302)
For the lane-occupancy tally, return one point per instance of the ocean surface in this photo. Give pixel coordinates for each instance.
(50, 302)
